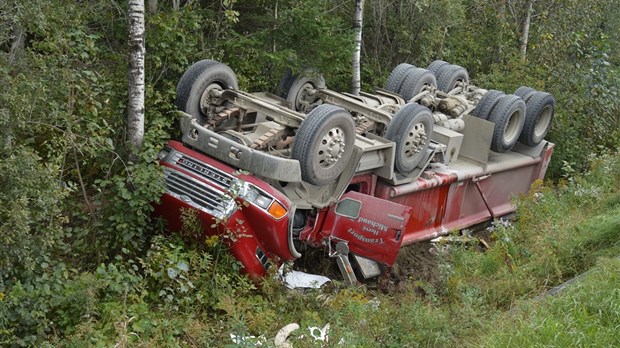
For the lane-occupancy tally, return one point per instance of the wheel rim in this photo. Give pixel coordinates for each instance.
(303, 98)
(543, 122)
(415, 140)
(512, 129)
(206, 96)
(331, 148)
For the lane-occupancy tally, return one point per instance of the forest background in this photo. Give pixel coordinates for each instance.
(79, 260)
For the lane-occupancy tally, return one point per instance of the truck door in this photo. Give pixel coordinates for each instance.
(372, 227)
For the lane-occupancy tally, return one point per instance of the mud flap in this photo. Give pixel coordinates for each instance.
(371, 227)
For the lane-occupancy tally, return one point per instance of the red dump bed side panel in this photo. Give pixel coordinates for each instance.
(452, 198)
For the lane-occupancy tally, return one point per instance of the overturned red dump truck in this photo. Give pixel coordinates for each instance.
(360, 175)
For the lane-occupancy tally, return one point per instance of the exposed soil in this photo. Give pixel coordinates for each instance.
(417, 263)
(317, 261)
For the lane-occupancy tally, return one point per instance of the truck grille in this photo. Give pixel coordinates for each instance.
(203, 170)
(262, 257)
(199, 195)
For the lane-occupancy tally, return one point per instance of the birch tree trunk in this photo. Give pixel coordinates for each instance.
(525, 31)
(135, 106)
(359, 15)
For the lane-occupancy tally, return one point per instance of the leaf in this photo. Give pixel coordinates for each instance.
(172, 273)
(182, 265)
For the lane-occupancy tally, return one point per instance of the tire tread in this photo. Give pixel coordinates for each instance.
(397, 77)
(306, 139)
(534, 107)
(506, 106)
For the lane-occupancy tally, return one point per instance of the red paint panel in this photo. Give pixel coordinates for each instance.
(376, 233)
(247, 229)
(427, 213)
(442, 203)
(272, 234)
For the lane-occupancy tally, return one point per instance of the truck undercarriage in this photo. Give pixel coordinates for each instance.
(358, 175)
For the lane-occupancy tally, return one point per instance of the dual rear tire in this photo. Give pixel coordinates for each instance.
(533, 115)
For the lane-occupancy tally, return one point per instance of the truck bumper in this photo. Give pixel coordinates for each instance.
(252, 218)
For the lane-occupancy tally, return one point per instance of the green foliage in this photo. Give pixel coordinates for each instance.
(78, 262)
(52, 302)
(579, 228)
(416, 32)
(181, 279)
(585, 314)
(301, 36)
(31, 215)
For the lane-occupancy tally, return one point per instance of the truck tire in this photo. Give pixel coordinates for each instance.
(487, 103)
(397, 77)
(187, 80)
(415, 81)
(524, 92)
(539, 111)
(297, 94)
(509, 117)
(197, 81)
(286, 81)
(449, 76)
(324, 144)
(436, 66)
(411, 129)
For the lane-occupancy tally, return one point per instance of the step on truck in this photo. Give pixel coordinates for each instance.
(359, 175)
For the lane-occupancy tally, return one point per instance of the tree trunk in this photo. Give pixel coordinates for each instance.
(359, 15)
(17, 47)
(275, 26)
(5, 131)
(525, 31)
(135, 106)
(499, 42)
(18, 43)
(153, 6)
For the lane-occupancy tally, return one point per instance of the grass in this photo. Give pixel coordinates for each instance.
(480, 299)
(587, 313)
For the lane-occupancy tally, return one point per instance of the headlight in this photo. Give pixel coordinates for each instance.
(163, 154)
(263, 201)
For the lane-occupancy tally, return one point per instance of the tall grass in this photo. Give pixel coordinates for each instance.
(480, 298)
(585, 314)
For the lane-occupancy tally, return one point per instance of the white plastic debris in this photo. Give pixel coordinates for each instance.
(374, 303)
(280, 341)
(297, 279)
(320, 334)
(258, 342)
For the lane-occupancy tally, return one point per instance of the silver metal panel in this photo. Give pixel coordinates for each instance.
(451, 139)
(238, 155)
(387, 154)
(368, 268)
(378, 153)
(530, 151)
(199, 195)
(477, 139)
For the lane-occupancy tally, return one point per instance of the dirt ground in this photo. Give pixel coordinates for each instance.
(418, 262)
(415, 263)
